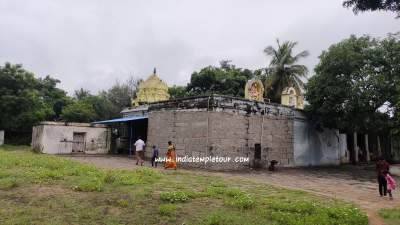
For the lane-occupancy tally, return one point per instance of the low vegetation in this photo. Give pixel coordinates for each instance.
(390, 216)
(43, 189)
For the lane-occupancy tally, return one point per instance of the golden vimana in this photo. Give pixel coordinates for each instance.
(153, 89)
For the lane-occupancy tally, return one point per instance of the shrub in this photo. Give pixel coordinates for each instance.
(123, 203)
(88, 185)
(175, 196)
(167, 209)
(242, 201)
(8, 183)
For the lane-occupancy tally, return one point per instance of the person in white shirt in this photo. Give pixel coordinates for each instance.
(139, 146)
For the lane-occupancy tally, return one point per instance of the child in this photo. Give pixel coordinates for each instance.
(155, 156)
(391, 184)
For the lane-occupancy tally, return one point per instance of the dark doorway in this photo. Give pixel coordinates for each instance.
(78, 144)
(257, 151)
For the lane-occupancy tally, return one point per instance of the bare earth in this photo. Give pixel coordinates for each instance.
(350, 183)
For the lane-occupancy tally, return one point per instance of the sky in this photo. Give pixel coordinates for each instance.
(93, 43)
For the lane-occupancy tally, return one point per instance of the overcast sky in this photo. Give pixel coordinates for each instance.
(92, 43)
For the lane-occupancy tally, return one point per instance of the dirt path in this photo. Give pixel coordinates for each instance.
(348, 183)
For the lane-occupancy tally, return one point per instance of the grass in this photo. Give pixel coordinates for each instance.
(390, 216)
(44, 189)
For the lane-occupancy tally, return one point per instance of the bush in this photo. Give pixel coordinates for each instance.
(8, 183)
(176, 196)
(93, 184)
(242, 201)
(167, 209)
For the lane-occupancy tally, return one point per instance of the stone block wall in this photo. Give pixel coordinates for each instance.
(223, 127)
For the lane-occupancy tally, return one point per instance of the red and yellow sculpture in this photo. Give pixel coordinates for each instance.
(254, 90)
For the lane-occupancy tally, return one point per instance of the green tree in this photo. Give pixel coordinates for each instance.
(373, 5)
(23, 102)
(54, 97)
(81, 94)
(177, 92)
(352, 82)
(78, 111)
(103, 108)
(224, 80)
(121, 94)
(283, 69)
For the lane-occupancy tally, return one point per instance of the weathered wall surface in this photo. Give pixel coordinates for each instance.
(58, 139)
(313, 147)
(229, 128)
(1, 137)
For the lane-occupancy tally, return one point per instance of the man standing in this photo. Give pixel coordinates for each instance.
(382, 167)
(139, 146)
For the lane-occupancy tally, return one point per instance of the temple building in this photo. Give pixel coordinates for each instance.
(153, 89)
(220, 126)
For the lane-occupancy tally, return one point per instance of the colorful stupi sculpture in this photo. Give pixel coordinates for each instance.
(153, 89)
(254, 90)
(291, 96)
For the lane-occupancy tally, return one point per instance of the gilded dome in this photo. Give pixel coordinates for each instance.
(153, 89)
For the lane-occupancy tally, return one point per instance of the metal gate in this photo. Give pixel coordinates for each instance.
(78, 144)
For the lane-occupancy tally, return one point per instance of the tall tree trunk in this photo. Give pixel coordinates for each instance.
(379, 145)
(355, 147)
(368, 158)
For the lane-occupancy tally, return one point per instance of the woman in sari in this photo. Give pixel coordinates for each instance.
(171, 157)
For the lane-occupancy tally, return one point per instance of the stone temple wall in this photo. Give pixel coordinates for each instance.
(224, 127)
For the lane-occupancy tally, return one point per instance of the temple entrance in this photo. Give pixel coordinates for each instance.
(124, 133)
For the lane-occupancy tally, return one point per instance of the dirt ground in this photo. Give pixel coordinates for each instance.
(355, 184)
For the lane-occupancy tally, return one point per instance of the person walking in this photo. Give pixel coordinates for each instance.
(139, 146)
(391, 184)
(382, 167)
(154, 157)
(171, 157)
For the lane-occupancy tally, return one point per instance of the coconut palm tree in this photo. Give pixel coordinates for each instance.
(283, 70)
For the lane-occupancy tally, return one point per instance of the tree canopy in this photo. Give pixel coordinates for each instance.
(26, 100)
(354, 84)
(373, 5)
(225, 80)
(283, 70)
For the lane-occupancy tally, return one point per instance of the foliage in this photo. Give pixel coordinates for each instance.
(25, 100)
(175, 196)
(373, 5)
(78, 111)
(224, 80)
(354, 79)
(167, 209)
(7, 183)
(242, 201)
(177, 92)
(390, 216)
(88, 185)
(283, 70)
(121, 94)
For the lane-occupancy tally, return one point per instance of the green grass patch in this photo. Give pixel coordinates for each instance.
(174, 196)
(167, 209)
(45, 189)
(8, 183)
(390, 216)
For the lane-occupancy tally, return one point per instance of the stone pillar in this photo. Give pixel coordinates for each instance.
(368, 158)
(355, 147)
